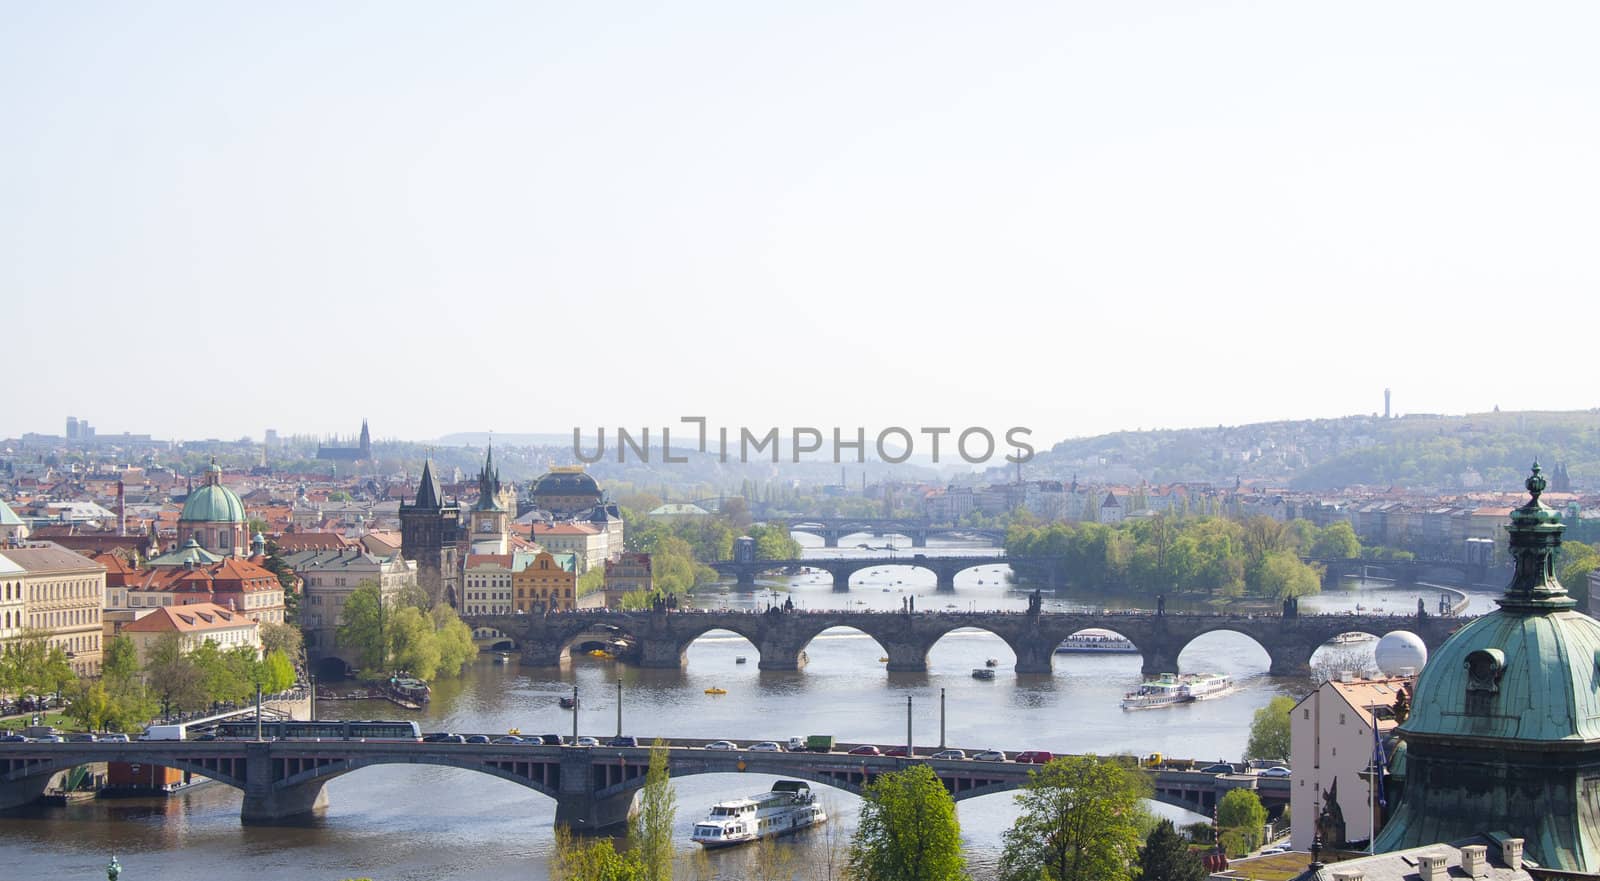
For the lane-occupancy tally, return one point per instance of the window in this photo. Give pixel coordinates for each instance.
(1307, 712)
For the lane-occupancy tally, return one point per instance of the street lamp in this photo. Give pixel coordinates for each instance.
(113, 869)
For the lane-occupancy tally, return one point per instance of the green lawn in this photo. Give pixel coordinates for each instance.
(17, 723)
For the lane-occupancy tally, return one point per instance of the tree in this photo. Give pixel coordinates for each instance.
(1337, 541)
(276, 673)
(361, 628)
(119, 664)
(1269, 731)
(907, 830)
(456, 648)
(178, 682)
(1166, 857)
(90, 705)
(1081, 820)
(652, 826)
(1577, 561)
(1281, 575)
(594, 861)
(1240, 813)
(284, 638)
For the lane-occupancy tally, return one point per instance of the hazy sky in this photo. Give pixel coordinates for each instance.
(1078, 217)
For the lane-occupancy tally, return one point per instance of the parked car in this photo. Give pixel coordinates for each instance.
(204, 737)
(549, 739)
(625, 740)
(1276, 771)
(989, 755)
(478, 738)
(866, 749)
(797, 744)
(1276, 848)
(437, 737)
(1217, 769)
(586, 740)
(453, 738)
(509, 738)
(13, 738)
(113, 738)
(722, 744)
(82, 738)
(765, 746)
(1035, 756)
(50, 738)
(897, 751)
(949, 754)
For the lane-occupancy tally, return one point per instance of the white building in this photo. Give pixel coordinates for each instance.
(1331, 740)
(194, 625)
(486, 585)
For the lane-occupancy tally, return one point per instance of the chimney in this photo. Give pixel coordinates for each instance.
(1475, 861)
(1511, 853)
(1431, 867)
(1350, 875)
(1347, 676)
(122, 514)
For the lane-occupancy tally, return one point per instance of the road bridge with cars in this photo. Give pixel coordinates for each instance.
(662, 638)
(594, 787)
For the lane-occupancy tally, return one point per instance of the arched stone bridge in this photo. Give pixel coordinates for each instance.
(831, 529)
(594, 787)
(661, 639)
(944, 568)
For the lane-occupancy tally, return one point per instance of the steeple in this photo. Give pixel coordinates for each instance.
(1535, 539)
(366, 441)
(489, 484)
(429, 493)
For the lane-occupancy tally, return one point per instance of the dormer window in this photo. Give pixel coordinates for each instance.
(1485, 667)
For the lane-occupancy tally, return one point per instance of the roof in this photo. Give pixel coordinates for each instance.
(212, 503)
(290, 542)
(564, 483)
(8, 517)
(47, 557)
(429, 493)
(191, 552)
(193, 618)
(1401, 865)
(564, 529)
(502, 561)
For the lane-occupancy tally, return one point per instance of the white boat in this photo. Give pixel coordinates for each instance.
(1352, 638)
(1096, 641)
(1170, 690)
(789, 807)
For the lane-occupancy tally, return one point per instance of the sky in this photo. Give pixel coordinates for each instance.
(525, 217)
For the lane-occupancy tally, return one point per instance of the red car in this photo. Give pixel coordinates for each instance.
(1034, 756)
(898, 751)
(865, 750)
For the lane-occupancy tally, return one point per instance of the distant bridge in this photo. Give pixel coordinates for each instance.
(594, 787)
(944, 568)
(831, 529)
(662, 639)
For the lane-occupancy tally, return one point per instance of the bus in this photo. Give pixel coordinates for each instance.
(330, 729)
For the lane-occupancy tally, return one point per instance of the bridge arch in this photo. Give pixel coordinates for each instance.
(213, 768)
(684, 641)
(1265, 650)
(532, 774)
(806, 638)
(962, 629)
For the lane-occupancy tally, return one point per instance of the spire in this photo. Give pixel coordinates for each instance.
(429, 493)
(1535, 540)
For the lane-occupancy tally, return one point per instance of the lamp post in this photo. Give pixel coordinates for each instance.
(574, 715)
(909, 751)
(113, 869)
(941, 718)
(619, 706)
(258, 712)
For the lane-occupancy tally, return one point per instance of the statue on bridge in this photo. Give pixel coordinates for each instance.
(1035, 603)
(1291, 607)
(1161, 604)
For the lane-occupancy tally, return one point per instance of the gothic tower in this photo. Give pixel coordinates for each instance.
(489, 517)
(429, 529)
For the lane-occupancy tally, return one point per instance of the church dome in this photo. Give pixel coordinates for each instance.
(213, 502)
(564, 482)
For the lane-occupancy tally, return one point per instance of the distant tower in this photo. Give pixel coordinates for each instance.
(366, 442)
(1386, 404)
(429, 529)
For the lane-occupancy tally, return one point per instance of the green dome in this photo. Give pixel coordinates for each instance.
(212, 503)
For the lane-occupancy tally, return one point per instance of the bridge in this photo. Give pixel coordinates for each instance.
(662, 638)
(831, 529)
(594, 787)
(1454, 572)
(944, 568)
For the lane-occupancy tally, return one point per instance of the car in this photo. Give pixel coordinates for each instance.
(509, 738)
(989, 755)
(1276, 771)
(478, 738)
(722, 744)
(1035, 757)
(82, 738)
(797, 744)
(50, 738)
(13, 738)
(586, 740)
(205, 737)
(548, 739)
(765, 746)
(452, 738)
(623, 741)
(1276, 848)
(1217, 769)
(948, 754)
(437, 737)
(114, 738)
(898, 752)
(865, 749)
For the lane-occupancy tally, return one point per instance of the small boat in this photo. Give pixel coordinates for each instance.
(883, 659)
(569, 703)
(789, 807)
(992, 662)
(982, 673)
(715, 690)
(739, 660)
(602, 654)
(502, 658)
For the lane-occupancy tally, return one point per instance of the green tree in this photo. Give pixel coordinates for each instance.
(277, 674)
(119, 664)
(1577, 561)
(1269, 731)
(1240, 813)
(456, 648)
(652, 826)
(90, 705)
(1281, 575)
(284, 638)
(596, 860)
(361, 628)
(178, 682)
(1166, 857)
(1336, 541)
(1081, 820)
(907, 830)
(413, 642)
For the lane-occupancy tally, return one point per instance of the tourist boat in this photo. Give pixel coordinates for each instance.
(1353, 638)
(569, 703)
(409, 690)
(789, 807)
(715, 690)
(1170, 689)
(1096, 641)
(982, 672)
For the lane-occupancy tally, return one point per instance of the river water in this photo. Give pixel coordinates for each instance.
(398, 823)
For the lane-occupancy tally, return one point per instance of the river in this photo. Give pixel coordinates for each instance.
(397, 823)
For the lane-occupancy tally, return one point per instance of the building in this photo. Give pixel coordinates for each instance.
(626, 574)
(489, 522)
(192, 575)
(361, 452)
(12, 607)
(1331, 736)
(12, 529)
(64, 595)
(486, 585)
(1504, 729)
(590, 545)
(329, 577)
(429, 532)
(545, 582)
(566, 492)
(214, 517)
(194, 625)
(1493, 857)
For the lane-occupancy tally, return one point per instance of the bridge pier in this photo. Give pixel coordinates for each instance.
(578, 807)
(21, 793)
(946, 577)
(776, 656)
(661, 654)
(1158, 659)
(830, 538)
(266, 802)
(841, 580)
(1035, 657)
(746, 579)
(919, 538)
(907, 658)
(543, 655)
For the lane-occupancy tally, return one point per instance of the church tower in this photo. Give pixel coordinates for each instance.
(366, 442)
(489, 517)
(429, 529)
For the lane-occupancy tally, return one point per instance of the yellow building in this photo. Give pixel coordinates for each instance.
(544, 582)
(63, 595)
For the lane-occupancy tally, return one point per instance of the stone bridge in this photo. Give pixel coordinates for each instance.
(662, 639)
(594, 787)
(944, 568)
(1453, 572)
(831, 529)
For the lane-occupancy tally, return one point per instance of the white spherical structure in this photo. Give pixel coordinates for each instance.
(1401, 653)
